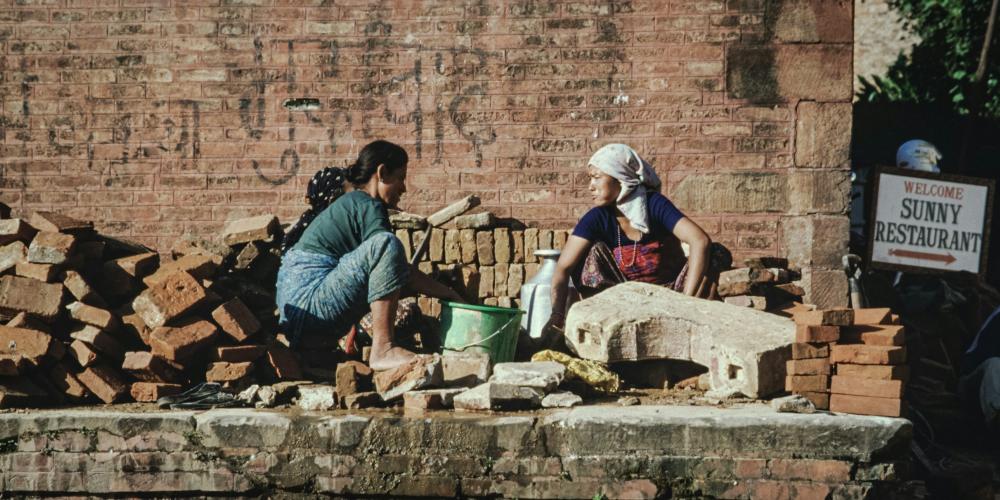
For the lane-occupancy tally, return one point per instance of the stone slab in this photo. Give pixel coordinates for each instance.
(744, 349)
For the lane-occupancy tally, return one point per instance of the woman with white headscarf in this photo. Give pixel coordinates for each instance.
(633, 233)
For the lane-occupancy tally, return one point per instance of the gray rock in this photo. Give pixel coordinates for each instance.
(561, 400)
(267, 396)
(406, 220)
(793, 404)
(544, 375)
(249, 395)
(494, 396)
(629, 401)
(745, 349)
(465, 369)
(317, 397)
(481, 220)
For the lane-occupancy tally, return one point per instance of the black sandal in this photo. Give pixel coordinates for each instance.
(204, 396)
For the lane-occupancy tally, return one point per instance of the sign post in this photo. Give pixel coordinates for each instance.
(930, 223)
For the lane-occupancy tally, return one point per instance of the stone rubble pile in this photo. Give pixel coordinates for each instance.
(847, 360)
(764, 283)
(88, 317)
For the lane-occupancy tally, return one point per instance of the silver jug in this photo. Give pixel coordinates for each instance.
(536, 295)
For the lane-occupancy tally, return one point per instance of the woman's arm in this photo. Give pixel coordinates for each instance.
(689, 232)
(421, 283)
(573, 252)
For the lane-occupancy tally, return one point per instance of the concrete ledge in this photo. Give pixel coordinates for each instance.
(635, 452)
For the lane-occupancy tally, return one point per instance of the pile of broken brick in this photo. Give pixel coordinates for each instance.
(463, 381)
(765, 284)
(88, 316)
(848, 360)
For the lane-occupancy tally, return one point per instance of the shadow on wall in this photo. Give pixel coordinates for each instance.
(751, 65)
(880, 128)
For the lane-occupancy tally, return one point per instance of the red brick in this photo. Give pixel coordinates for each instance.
(104, 383)
(872, 316)
(167, 301)
(239, 353)
(148, 367)
(59, 223)
(66, 382)
(183, 342)
(19, 294)
(11, 254)
(817, 334)
(228, 372)
(51, 248)
(236, 320)
(32, 345)
(259, 228)
(883, 335)
(353, 377)
(824, 471)
(81, 290)
(874, 372)
(864, 405)
(807, 383)
(868, 354)
(25, 320)
(40, 272)
(199, 266)
(135, 266)
(821, 400)
(817, 366)
(100, 340)
(12, 230)
(866, 387)
(802, 350)
(91, 315)
(134, 329)
(83, 353)
(149, 392)
(831, 317)
(283, 362)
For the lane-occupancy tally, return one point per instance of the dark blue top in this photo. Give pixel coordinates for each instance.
(986, 344)
(601, 224)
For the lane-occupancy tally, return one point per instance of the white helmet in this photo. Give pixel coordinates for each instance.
(918, 155)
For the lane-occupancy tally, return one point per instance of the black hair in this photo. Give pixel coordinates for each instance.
(371, 156)
(325, 187)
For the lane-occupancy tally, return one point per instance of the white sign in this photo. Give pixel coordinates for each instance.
(929, 222)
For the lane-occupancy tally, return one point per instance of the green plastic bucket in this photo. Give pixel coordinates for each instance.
(485, 329)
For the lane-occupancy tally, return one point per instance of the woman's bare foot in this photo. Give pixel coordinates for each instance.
(389, 357)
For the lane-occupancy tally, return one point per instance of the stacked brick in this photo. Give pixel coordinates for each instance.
(765, 283)
(848, 360)
(869, 362)
(485, 260)
(808, 372)
(91, 317)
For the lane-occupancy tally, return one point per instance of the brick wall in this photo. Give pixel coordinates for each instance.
(154, 121)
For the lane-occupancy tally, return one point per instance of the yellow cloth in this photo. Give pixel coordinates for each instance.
(590, 372)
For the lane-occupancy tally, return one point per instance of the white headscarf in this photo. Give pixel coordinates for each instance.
(636, 177)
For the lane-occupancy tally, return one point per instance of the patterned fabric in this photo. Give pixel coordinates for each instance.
(602, 268)
(644, 262)
(316, 293)
(325, 187)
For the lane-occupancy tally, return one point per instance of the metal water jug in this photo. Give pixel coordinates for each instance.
(536, 295)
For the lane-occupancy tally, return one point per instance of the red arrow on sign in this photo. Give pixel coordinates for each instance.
(910, 254)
